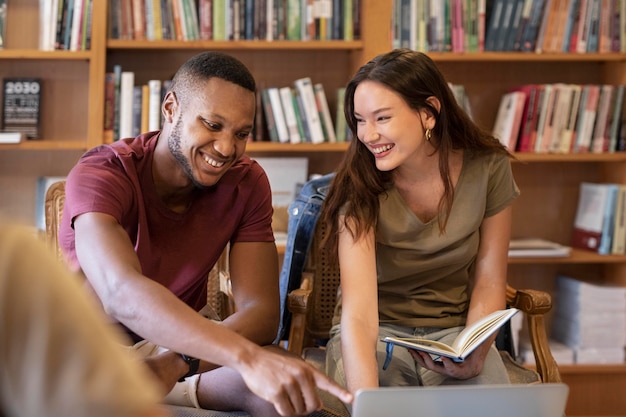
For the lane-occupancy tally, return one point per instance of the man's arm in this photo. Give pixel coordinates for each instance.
(254, 279)
(146, 307)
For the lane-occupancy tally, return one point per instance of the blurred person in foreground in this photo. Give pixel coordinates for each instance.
(58, 357)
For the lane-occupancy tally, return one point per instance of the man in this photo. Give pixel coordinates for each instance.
(58, 357)
(146, 218)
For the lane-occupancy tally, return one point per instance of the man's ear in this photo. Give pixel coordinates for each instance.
(169, 106)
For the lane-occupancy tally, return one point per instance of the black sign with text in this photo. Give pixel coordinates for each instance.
(21, 100)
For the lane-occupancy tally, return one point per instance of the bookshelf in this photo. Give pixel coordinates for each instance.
(72, 121)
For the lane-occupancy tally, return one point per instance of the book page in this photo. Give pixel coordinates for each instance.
(475, 334)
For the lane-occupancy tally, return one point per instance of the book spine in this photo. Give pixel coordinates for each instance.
(279, 115)
(327, 121)
(127, 84)
(305, 87)
(154, 105)
(286, 99)
(109, 106)
(269, 116)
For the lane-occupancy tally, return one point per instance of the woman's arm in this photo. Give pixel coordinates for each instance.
(359, 317)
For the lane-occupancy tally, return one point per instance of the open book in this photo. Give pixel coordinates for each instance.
(465, 342)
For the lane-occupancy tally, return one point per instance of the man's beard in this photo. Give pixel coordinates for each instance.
(174, 144)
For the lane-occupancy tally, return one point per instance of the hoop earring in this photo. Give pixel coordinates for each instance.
(428, 134)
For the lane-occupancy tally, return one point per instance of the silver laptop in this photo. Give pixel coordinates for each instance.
(517, 400)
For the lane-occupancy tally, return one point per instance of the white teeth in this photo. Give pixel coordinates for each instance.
(381, 149)
(213, 162)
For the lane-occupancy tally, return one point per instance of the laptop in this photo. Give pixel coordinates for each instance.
(516, 400)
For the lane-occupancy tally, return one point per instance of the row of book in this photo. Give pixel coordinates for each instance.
(221, 20)
(562, 118)
(300, 114)
(65, 25)
(290, 114)
(573, 26)
(131, 108)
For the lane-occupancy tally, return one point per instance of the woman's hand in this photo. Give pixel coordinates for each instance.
(469, 368)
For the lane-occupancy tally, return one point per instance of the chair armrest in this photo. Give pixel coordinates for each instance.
(298, 303)
(535, 304)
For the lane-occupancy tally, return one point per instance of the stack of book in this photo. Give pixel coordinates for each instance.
(591, 320)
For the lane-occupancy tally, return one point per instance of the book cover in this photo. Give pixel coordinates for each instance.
(571, 24)
(127, 84)
(341, 126)
(154, 105)
(599, 140)
(3, 23)
(286, 98)
(618, 246)
(584, 130)
(109, 106)
(545, 109)
(536, 247)
(268, 112)
(508, 15)
(569, 131)
(531, 31)
(21, 106)
(495, 16)
(593, 224)
(309, 105)
(279, 115)
(11, 137)
(616, 119)
(322, 105)
(529, 112)
(543, 25)
(469, 339)
(508, 119)
(560, 115)
(514, 24)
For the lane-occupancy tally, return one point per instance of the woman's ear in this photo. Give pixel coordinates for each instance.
(428, 118)
(434, 102)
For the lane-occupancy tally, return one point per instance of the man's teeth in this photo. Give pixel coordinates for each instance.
(213, 162)
(382, 148)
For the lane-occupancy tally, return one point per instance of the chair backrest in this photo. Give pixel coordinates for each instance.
(53, 206)
(218, 286)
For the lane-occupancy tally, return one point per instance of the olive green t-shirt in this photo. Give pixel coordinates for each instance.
(423, 275)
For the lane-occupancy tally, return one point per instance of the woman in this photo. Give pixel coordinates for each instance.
(420, 215)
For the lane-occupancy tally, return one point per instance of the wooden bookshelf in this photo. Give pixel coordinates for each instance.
(72, 121)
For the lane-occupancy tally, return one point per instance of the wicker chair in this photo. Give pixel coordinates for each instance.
(313, 305)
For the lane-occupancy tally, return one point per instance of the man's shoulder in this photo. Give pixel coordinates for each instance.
(246, 168)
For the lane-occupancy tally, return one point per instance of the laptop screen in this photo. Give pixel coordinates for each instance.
(516, 400)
